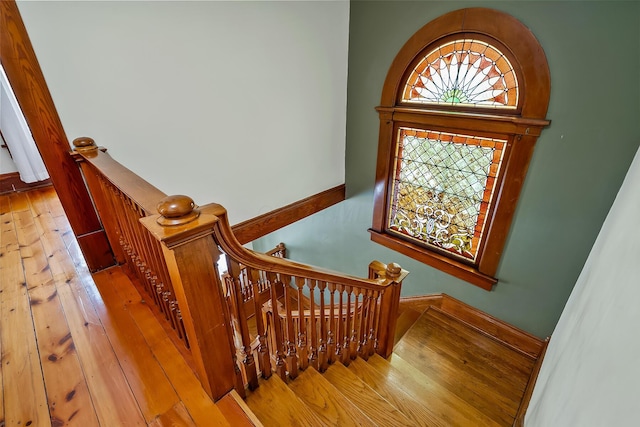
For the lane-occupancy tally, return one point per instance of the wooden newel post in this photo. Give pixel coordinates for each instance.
(191, 256)
(394, 275)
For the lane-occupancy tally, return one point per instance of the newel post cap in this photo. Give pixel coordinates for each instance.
(393, 270)
(84, 143)
(176, 210)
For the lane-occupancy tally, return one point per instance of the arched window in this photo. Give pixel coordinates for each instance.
(462, 106)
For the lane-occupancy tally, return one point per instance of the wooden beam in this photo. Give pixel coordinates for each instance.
(23, 71)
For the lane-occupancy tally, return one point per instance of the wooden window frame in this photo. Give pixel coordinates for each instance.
(520, 127)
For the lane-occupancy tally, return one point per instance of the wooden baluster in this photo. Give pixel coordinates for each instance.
(303, 354)
(376, 323)
(357, 314)
(365, 333)
(373, 298)
(227, 306)
(249, 367)
(341, 324)
(362, 325)
(278, 340)
(323, 362)
(154, 261)
(292, 357)
(125, 226)
(133, 218)
(264, 359)
(191, 254)
(247, 289)
(331, 343)
(346, 354)
(313, 338)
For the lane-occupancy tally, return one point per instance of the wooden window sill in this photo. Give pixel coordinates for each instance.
(455, 268)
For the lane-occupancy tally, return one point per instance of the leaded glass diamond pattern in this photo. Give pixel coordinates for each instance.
(463, 72)
(442, 188)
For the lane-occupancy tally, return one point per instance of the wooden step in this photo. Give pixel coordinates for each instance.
(376, 407)
(329, 404)
(438, 400)
(394, 393)
(275, 404)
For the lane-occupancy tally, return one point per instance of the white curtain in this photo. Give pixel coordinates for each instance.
(590, 376)
(18, 136)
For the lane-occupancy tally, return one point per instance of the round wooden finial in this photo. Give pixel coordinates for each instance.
(84, 143)
(177, 210)
(393, 270)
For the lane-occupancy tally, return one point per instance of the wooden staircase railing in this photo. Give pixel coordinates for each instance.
(174, 255)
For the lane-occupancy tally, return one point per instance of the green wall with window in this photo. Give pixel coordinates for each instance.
(593, 50)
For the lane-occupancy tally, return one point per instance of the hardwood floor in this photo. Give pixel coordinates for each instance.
(78, 350)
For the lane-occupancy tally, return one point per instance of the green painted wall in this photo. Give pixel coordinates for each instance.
(593, 49)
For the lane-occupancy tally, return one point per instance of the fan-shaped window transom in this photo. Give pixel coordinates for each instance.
(463, 72)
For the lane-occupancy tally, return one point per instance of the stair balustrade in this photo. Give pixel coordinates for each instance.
(304, 315)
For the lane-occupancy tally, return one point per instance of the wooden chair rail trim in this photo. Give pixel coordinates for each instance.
(269, 222)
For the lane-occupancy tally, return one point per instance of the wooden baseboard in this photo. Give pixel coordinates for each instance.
(503, 332)
(528, 392)
(262, 225)
(10, 182)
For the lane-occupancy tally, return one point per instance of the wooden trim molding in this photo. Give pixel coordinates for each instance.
(528, 392)
(11, 181)
(434, 259)
(509, 335)
(264, 224)
(23, 71)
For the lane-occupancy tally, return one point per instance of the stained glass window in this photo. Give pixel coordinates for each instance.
(443, 187)
(463, 99)
(463, 72)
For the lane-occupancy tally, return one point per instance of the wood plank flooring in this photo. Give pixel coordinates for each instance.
(78, 350)
(470, 366)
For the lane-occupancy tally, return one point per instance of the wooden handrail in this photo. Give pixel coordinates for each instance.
(173, 246)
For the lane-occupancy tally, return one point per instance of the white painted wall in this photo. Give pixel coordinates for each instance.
(239, 103)
(6, 163)
(17, 136)
(591, 375)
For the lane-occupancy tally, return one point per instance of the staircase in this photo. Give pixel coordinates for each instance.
(443, 372)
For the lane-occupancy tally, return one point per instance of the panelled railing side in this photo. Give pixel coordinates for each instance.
(175, 254)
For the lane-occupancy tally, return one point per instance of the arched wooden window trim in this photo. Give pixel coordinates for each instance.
(520, 127)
